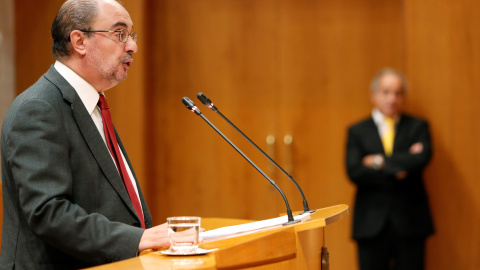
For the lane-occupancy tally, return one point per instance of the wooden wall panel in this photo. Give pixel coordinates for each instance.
(7, 61)
(442, 62)
(33, 40)
(274, 68)
(330, 50)
(227, 50)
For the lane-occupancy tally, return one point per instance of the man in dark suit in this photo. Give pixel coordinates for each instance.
(386, 155)
(70, 202)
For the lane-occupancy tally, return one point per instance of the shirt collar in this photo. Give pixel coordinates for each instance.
(85, 91)
(379, 118)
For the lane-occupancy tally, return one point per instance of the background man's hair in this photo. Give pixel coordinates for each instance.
(385, 71)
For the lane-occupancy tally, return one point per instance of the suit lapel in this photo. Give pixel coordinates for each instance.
(90, 135)
(400, 132)
(373, 133)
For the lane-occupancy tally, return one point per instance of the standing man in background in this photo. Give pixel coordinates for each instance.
(385, 158)
(70, 196)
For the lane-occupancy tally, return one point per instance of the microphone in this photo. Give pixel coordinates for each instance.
(207, 102)
(191, 106)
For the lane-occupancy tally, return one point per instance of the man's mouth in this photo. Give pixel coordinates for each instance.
(127, 63)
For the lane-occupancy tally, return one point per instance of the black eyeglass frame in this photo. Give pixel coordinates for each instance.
(133, 35)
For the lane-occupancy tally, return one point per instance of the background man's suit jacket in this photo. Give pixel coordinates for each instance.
(380, 197)
(65, 204)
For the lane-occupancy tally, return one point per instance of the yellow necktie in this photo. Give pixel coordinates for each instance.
(389, 136)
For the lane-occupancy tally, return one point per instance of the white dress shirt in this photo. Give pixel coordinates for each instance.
(379, 120)
(90, 97)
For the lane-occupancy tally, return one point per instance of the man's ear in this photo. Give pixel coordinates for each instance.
(77, 39)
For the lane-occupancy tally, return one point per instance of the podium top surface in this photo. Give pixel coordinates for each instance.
(156, 260)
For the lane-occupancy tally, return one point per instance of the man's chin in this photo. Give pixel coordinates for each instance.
(390, 112)
(117, 79)
(120, 76)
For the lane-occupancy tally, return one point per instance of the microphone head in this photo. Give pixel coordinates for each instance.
(190, 105)
(206, 101)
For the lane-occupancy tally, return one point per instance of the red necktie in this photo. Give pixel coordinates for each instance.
(115, 151)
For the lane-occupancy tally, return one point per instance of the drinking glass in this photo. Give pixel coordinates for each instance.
(183, 233)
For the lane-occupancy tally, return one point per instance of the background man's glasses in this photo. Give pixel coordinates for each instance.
(122, 34)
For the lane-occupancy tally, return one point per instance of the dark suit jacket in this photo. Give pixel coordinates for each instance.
(380, 197)
(65, 204)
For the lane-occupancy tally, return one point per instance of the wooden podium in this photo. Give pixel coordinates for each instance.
(297, 246)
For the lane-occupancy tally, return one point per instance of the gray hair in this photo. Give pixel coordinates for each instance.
(388, 71)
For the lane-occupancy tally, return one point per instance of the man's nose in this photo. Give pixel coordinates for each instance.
(392, 97)
(131, 46)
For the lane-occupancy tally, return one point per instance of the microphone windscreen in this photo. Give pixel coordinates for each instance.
(188, 103)
(204, 99)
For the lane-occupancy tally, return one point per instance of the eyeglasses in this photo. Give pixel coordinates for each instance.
(122, 34)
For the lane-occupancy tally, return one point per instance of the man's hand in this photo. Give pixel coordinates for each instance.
(154, 238)
(374, 161)
(157, 237)
(401, 175)
(416, 148)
